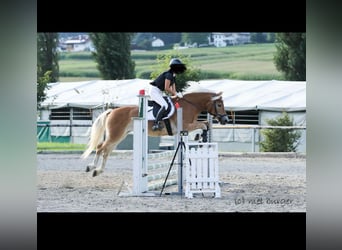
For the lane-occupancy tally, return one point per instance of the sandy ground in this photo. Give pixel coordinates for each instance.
(249, 183)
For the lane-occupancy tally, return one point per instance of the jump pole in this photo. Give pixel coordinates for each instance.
(180, 155)
(140, 148)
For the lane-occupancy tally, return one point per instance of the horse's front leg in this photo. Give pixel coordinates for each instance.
(204, 126)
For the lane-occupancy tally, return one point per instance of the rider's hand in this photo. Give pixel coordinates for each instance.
(179, 95)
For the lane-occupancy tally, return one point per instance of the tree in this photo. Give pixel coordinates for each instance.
(191, 74)
(47, 63)
(42, 85)
(280, 140)
(113, 55)
(142, 41)
(270, 37)
(258, 37)
(169, 38)
(290, 57)
(199, 38)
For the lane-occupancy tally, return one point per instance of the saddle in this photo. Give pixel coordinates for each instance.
(153, 108)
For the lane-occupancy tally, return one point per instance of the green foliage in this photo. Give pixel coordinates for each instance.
(60, 146)
(191, 74)
(243, 62)
(144, 74)
(291, 55)
(169, 38)
(280, 140)
(42, 86)
(258, 37)
(47, 63)
(47, 55)
(199, 38)
(76, 55)
(113, 55)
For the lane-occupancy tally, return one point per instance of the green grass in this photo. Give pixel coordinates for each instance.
(59, 146)
(243, 62)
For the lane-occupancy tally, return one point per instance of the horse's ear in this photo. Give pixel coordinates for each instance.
(217, 96)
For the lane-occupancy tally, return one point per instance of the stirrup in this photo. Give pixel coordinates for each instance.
(157, 126)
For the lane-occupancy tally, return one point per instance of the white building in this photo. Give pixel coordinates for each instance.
(226, 39)
(81, 43)
(246, 103)
(157, 43)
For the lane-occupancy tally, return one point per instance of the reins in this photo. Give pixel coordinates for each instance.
(214, 103)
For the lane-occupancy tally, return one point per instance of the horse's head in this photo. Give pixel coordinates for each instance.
(217, 110)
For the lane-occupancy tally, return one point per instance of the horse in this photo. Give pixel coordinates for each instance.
(116, 123)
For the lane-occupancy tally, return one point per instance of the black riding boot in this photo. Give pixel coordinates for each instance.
(157, 124)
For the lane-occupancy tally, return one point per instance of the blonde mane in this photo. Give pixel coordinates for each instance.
(194, 87)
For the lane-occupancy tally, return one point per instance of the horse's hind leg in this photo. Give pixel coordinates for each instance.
(106, 150)
(93, 165)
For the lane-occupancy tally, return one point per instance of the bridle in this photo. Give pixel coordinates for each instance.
(217, 115)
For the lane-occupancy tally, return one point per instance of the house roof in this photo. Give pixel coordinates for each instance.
(238, 95)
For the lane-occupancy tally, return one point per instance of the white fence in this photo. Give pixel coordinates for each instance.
(225, 134)
(201, 169)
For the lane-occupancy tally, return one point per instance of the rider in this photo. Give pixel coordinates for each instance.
(165, 82)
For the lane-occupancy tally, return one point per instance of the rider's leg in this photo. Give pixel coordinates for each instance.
(157, 95)
(157, 124)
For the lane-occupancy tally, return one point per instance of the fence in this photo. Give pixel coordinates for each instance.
(43, 134)
(253, 128)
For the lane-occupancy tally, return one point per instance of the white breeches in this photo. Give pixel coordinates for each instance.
(157, 95)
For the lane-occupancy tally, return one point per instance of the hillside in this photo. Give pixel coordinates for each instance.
(243, 62)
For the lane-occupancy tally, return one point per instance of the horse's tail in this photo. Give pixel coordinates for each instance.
(97, 132)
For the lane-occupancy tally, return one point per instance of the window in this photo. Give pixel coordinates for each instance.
(81, 114)
(250, 117)
(75, 113)
(60, 114)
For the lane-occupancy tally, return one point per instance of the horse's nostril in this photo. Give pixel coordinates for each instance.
(224, 120)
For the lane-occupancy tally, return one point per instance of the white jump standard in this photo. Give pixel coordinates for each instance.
(200, 163)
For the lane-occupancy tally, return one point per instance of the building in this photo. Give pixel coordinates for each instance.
(70, 108)
(79, 43)
(227, 39)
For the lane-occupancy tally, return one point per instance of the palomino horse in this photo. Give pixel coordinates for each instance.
(118, 122)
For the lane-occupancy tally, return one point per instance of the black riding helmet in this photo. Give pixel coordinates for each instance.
(177, 66)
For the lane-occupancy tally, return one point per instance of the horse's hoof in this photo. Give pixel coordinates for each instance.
(95, 173)
(87, 169)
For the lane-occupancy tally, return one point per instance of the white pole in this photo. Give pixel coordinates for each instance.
(210, 122)
(179, 129)
(140, 147)
(253, 140)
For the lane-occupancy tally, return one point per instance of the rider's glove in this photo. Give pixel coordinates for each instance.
(179, 95)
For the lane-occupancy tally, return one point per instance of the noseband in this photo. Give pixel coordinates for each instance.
(217, 115)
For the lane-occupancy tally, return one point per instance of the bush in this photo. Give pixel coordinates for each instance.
(144, 74)
(280, 140)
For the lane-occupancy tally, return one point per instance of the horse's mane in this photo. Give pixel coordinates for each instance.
(194, 87)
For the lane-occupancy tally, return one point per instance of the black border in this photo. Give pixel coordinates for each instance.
(257, 230)
(233, 16)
